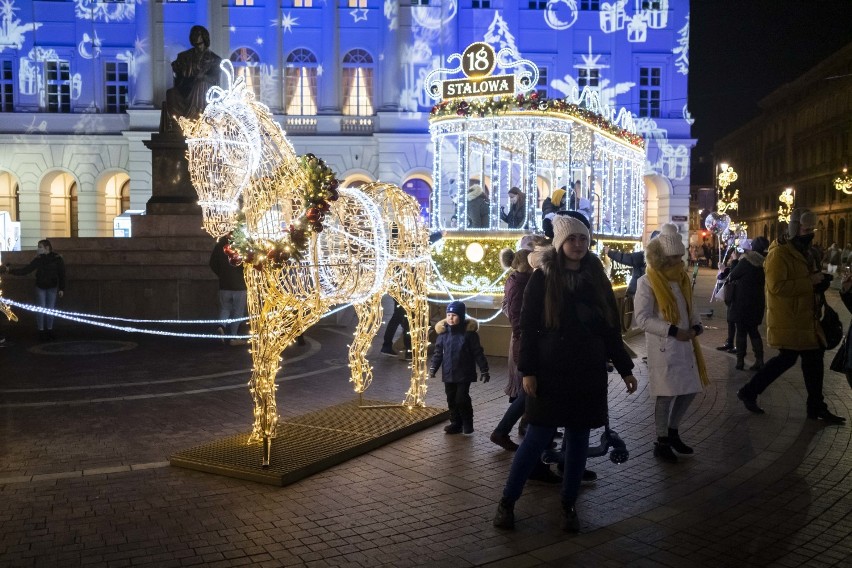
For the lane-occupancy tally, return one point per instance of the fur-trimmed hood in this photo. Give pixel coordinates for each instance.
(470, 324)
(754, 258)
(474, 191)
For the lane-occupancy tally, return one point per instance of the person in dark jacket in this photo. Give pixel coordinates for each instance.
(513, 297)
(50, 284)
(721, 277)
(569, 329)
(549, 207)
(636, 262)
(457, 353)
(478, 210)
(232, 290)
(749, 300)
(517, 214)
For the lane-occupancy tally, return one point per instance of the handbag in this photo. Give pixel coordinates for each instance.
(719, 294)
(832, 328)
(838, 362)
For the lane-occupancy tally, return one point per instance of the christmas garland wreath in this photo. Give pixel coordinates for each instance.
(320, 190)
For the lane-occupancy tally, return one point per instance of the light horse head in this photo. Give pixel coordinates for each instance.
(222, 152)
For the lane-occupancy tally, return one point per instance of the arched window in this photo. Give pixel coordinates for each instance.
(300, 83)
(124, 196)
(358, 83)
(247, 65)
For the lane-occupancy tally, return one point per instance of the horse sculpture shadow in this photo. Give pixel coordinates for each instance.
(305, 244)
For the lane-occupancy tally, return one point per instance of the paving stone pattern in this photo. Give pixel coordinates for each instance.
(84, 478)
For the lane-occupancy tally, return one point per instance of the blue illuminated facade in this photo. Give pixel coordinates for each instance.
(81, 83)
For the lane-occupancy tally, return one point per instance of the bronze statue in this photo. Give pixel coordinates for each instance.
(195, 71)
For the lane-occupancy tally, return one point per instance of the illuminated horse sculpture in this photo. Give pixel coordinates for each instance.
(305, 244)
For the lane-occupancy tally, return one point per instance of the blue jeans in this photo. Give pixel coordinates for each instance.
(45, 299)
(537, 439)
(512, 415)
(232, 305)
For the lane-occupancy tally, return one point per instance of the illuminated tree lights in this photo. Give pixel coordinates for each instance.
(843, 183)
(306, 244)
(482, 107)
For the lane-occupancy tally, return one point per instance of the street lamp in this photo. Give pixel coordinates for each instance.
(787, 197)
(843, 183)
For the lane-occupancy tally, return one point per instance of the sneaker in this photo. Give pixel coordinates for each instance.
(545, 475)
(589, 476)
(826, 416)
(504, 441)
(750, 402)
(467, 429)
(452, 428)
(505, 516)
(570, 520)
(388, 351)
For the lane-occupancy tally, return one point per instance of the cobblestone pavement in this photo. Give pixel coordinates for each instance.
(84, 477)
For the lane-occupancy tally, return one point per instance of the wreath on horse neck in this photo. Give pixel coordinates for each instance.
(320, 190)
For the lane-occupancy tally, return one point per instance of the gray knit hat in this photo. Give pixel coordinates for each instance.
(800, 217)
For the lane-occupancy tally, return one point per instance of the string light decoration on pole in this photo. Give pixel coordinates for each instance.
(843, 183)
(727, 200)
(306, 245)
(787, 197)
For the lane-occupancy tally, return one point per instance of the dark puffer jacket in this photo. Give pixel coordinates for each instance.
(749, 283)
(636, 262)
(458, 352)
(569, 363)
(50, 271)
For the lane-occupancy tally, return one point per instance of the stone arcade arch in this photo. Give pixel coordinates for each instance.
(114, 188)
(9, 195)
(58, 192)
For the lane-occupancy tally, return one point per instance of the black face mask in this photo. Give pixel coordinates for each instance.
(804, 240)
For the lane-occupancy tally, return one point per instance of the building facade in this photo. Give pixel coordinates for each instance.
(82, 82)
(802, 140)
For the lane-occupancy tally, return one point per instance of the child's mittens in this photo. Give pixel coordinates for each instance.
(485, 377)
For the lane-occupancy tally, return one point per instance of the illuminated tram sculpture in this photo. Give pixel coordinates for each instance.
(498, 136)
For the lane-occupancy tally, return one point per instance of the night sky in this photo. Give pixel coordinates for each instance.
(742, 50)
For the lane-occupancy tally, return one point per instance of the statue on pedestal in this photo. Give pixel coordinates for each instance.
(195, 71)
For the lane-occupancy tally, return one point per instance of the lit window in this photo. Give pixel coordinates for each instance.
(300, 83)
(58, 84)
(481, 4)
(357, 3)
(358, 83)
(650, 87)
(590, 4)
(246, 65)
(245, 2)
(116, 86)
(588, 78)
(303, 3)
(541, 86)
(7, 86)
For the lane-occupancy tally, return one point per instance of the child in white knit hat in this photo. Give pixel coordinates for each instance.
(665, 311)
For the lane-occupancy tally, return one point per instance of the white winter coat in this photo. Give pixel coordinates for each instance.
(672, 369)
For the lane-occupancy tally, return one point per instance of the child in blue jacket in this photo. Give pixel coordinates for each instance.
(458, 353)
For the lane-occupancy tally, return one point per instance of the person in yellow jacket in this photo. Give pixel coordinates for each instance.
(794, 284)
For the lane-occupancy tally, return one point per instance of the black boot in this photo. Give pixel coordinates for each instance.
(570, 521)
(749, 401)
(728, 346)
(740, 361)
(663, 450)
(453, 428)
(505, 516)
(677, 444)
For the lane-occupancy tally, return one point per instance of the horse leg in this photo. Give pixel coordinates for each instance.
(413, 299)
(369, 315)
(265, 358)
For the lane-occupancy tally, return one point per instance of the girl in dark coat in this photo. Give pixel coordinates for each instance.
(749, 302)
(517, 214)
(50, 284)
(569, 328)
(457, 353)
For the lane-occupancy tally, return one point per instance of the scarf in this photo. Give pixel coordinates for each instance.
(659, 280)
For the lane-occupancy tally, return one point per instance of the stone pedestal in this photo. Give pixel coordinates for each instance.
(171, 188)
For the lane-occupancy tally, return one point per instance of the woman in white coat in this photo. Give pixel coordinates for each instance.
(665, 312)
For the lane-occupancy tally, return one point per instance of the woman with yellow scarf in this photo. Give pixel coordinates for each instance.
(664, 310)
